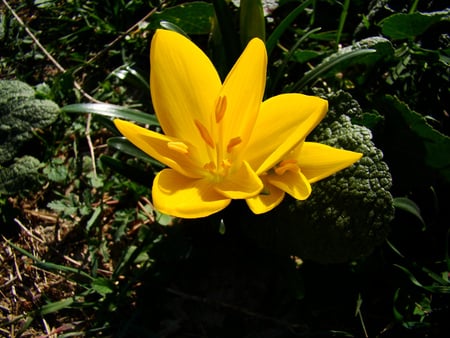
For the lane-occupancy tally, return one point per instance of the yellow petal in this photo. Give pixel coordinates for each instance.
(265, 202)
(241, 184)
(243, 89)
(284, 121)
(180, 196)
(292, 182)
(318, 161)
(184, 85)
(157, 146)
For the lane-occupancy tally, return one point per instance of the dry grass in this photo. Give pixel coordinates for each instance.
(24, 287)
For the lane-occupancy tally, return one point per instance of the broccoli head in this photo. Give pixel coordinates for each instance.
(348, 214)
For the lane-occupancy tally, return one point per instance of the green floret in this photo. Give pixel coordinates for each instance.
(347, 214)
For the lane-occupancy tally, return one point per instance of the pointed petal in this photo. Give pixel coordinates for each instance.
(184, 85)
(263, 203)
(284, 121)
(243, 183)
(294, 183)
(184, 197)
(318, 161)
(156, 145)
(244, 89)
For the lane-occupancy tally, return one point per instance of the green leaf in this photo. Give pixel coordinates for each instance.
(22, 175)
(366, 52)
(56, 306)
(132, 172)
(304, 55)
(409, 206)
(407, 26)
(111, 110)
(444, 289)
(329, 65)
(48, 265)
(125, 146)
(102, 286)
(252, 21)
(436, 145)
(191, 18)
(172, 27)
(56, 172)
(20, 114)
(225, 37)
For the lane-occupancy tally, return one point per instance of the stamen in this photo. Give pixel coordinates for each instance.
(226, 164)
(286, 165)
(180, 147)
(211, 167)
(233, 143)
(204, 133)
(221, 106)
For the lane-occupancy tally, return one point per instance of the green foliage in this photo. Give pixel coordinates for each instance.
(408, 26)
(22, 175)
(20, 115)
(433, 146)
(193, 17)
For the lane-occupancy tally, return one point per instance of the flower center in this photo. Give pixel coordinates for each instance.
(220, 157)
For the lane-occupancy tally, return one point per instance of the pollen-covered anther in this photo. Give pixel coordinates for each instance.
(177, 146)
(221, 106)
(210, 166)
(286, 165)
(226, 164)
(233, 143)
(204, 133)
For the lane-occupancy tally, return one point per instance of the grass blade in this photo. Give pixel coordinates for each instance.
(283, 26)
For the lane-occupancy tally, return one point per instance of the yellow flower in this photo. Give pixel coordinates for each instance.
(220, 141)
(206, 125)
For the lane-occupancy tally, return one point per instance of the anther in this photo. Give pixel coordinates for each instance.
(180, 147)
(211, 167)
(226, 164)
(221, 106)
(286, 165)
(233, 143)
(204, 133)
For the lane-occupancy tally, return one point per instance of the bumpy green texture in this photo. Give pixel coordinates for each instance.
(22, 175)
(347, 214)
(20, 114)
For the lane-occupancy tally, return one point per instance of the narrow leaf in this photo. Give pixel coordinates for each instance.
(284, 25)
(329, 64)
(409, 206)
(111, 110)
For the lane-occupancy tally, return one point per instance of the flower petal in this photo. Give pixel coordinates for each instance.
(292, 182)
(184, 197)
(156, 145)
(184, 85)
(284, 121)
(318, 161)
(243, 183)
(265, 202)
(244, 89)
